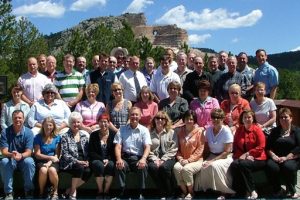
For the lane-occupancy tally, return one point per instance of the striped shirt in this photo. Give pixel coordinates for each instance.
(68, 85)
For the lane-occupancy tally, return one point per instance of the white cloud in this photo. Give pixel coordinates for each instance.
(197, 39)
(208, 19)
(84, 5)
(138, 6)
(41, 9)
(235, 40)
(296, 49)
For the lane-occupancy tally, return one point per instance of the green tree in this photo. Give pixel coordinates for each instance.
(124, 37)
(184, 47)
(77, 44)
(102, 40)
(7, 31)
(27, 42)
(145, 48)
(288, 84)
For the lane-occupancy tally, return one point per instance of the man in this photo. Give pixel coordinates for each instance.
(42, 63)
(104, 78)
(32, 82)
(190, 90)
(190, 60)
(51, 68)
(223, 56)
(113, 64)
(69, 82)
(182, 69)
(229, 78)
(132, 149)
(169, 55)
(81, 67)
(244, 69)
(132, 80)
(161, 80)
(16, 144)
(266, 73)
(95, 62)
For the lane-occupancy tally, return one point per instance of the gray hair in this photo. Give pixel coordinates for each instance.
(49, 87)
(74, 116)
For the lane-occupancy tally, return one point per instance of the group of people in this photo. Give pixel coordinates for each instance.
(184, 126)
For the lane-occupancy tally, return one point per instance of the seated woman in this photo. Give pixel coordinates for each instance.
(101, 156)
(175, 106)
(90, 109)
(283, 148)
(47, 151)
(148, 107)
(118, 108)
(14, 104)
(50, 105)
(74, 154)
(214, 173)
(248, 154)
(204, 104)
(233, 107)
(190, 154)
(161, 159)
(264, 108)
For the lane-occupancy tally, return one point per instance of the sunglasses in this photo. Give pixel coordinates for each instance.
(215, 118)
(49, 92)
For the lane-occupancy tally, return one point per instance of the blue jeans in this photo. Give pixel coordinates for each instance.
(7, 168)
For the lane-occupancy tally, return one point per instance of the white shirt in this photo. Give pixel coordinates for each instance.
(159, 83)
(127, 80)
(33, 85)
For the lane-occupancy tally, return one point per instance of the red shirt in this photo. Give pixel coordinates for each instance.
(252, 141)
(242, 105)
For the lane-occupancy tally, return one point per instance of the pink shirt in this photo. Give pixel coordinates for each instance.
(148, 112)
(90, 112)
(203, 110)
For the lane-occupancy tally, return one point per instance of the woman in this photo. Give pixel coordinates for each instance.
(264, 108)
(101, 156)
(74, 154)
(283, 148)
(214, 173)
(47, 152)
(49, 106)
(14, 104)
(174, 105)
(149, 69)
(148, 107)
(248, 154)
(90, 109)
(204, 104)
(233, 107)
(162, 154)
(189, 155)
(118, 108)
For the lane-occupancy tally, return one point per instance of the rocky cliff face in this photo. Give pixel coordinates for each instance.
(166, 36)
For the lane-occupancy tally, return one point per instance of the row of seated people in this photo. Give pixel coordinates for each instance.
(217, 158)
(174, 105)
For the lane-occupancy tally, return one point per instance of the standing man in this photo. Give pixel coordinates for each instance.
(190, 91)
(42, 59)
(81, 67)
(190, 60)
(69, 82)
(95, 62)
(16, 144)
(244, 69)
(223, 56)
(132, 80)
(132, 149)
(266, 73)
(161, 79)
(182, 69)
(51, 68)
(104, 78)
(32, 82)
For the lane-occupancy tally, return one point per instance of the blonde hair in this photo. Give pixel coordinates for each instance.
(168, 125)
(94, 87)
(51, 120)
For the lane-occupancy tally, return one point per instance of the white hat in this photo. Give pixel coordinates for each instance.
(116, 49)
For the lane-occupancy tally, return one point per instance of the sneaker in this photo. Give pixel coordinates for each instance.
(141, 197)
(9, 196)
(54, 196)
(188, 197)
(254, 195)
(71, 197)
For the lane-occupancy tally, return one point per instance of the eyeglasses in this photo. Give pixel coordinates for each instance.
(118, 89)
(160, 118)
(216, 118)
(49, 92)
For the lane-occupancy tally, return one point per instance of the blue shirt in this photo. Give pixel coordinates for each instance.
(267, 74)
(47, 149)
(16, 142)
(133, 140)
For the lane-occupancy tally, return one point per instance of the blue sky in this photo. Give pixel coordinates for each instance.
(231, 25)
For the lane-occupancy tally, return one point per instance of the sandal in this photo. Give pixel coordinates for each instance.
(295, 196)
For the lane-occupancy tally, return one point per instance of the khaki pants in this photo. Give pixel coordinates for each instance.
(185, 174)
